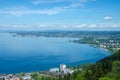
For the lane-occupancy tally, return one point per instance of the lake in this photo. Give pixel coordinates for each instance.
(27, 54)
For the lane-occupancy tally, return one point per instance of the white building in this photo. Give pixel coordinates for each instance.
(9, 77)
(62, 67)
(54, 70)
(27, 76)
(67, 70)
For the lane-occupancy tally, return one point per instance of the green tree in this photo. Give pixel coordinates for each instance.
(116, 66)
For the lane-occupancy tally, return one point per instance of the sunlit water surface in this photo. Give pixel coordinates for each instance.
(26, 54)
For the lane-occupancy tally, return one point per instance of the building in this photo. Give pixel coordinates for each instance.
(2, 77)
(14, 78)
(27, 76)
(9, 77)
(62, 67)
(54, 70)
(67, 70)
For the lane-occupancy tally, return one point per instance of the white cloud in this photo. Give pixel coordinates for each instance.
(92, 25)
(100, 26)
(107, 18)
(105, 25)
(81, 25)
(36, 2)
(20, 12)
(75, 5)
(19, 26)
(71, 3)
(41, 25)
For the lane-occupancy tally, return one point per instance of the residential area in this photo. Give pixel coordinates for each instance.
(55, 72)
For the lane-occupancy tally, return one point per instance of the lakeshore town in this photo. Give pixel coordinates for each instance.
(55, 72)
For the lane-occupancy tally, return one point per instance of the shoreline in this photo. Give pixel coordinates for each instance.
(92, 45)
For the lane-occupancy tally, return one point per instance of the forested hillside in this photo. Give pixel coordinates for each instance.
(105, 69)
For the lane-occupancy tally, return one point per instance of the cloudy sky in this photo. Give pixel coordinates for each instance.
(60, 14)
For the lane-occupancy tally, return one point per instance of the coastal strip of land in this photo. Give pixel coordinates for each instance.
(107, 40)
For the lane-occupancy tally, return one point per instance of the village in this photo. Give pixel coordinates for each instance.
(29, 75)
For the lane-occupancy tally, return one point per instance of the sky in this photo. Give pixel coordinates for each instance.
(60, 15)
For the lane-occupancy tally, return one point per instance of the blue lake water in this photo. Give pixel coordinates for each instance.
(26, 54)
